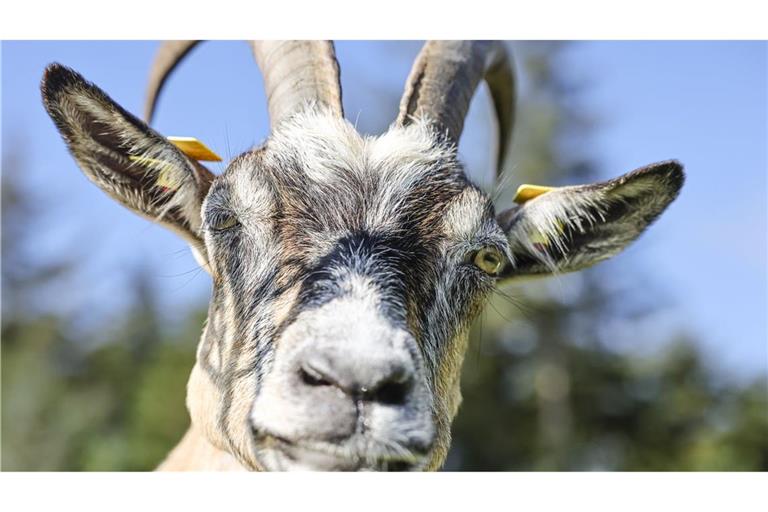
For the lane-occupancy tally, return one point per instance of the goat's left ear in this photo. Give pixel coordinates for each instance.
(124, 157)
(570, 228)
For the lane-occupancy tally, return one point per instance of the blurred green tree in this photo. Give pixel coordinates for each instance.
(108, 399)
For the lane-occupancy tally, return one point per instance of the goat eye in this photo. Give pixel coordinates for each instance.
(220, 222)
(489, 260)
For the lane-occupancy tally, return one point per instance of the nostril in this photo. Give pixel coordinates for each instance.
(385, 380)
(312, 377)
(392, 392)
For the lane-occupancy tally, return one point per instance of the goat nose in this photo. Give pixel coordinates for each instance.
(384, 379)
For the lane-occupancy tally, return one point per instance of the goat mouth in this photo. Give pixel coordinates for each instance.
(276, 453)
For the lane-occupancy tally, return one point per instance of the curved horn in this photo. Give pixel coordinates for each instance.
(168, 57)
(295, 73)
(298, 72)
(444, 78)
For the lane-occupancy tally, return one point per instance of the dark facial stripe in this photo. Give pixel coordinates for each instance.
(389, 262)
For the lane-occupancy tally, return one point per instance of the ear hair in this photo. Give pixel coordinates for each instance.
(570, 228)
(123, 156)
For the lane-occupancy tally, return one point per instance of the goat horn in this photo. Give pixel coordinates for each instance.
(296, 73)
(444, 78)
(168, 57)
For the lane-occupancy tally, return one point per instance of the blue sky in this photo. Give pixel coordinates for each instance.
(703, 103)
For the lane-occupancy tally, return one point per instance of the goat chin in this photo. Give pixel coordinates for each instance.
(195, 453)
(302, 459)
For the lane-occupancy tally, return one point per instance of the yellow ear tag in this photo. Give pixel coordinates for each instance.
(527, 192)
(194, 149)
(190, 146)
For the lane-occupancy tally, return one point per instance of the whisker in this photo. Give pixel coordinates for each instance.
(199, 269)
(521, 306)
(503, 183)
(480, 340)
(226, 139)
(180, 274)
(499, 312)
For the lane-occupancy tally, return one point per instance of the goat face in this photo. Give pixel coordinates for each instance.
(345, 282)
(346, 270)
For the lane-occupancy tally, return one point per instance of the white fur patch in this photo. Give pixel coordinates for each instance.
(465, 215)
(330, 149)
(544, 219)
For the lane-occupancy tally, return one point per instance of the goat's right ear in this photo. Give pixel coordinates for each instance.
(124, 157)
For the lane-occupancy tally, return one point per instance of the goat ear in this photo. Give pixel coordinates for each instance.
(570, 228)
(124, 157)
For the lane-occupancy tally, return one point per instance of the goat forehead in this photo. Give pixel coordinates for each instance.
(319, 143)
(321, 166)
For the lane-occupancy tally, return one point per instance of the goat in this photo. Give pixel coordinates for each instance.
(346, 269)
